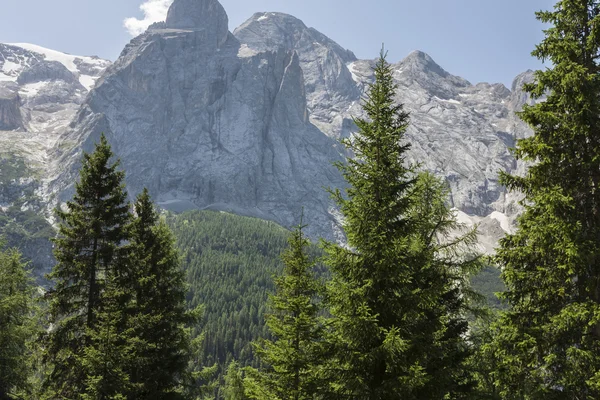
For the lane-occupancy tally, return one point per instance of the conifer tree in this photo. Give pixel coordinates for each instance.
(548, 345)
(109, 348)
(293, 355)
(157, 314)
(234, 383)
(396, 294)
(17, 327)
(89, 248)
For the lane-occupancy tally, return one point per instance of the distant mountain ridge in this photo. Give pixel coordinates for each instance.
(248, 121)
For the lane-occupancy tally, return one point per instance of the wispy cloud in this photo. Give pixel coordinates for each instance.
(154, 11)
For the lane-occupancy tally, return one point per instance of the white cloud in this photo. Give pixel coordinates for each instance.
(154, 11)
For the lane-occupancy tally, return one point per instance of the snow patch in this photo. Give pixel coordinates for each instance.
(245, 51)
(263, 17)
(502, 219)
(68, 60)
(464, 218)
(451, 101)
(87, 81)
(32, 89)
(9, 71)
(352, 68)
(10, 66)
(65, 59)
(51, 55)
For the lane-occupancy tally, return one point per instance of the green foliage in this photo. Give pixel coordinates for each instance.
(108, 348)
(22, 223)
(12, 168)
(230, 261)
(89, 253)
(398, 294)
(118, 315)
(483, 363)
(548, 344)
(489, 283)
(234, 383)
(157, 313)
(294, 356)
(17, 325)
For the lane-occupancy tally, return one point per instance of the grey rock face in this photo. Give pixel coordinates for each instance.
(249, 122)
(463, 133)
(329, 87)
(206, 15)
(206, 127)
(46, 71)
(10, 108)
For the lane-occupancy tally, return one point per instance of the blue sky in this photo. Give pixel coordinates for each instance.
(480, 40)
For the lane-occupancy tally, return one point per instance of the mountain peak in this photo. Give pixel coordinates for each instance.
(271, 30)
(521, 79)
(285, 21)
(272, 27)
(421, 56)
(423, 61)
(199, 14)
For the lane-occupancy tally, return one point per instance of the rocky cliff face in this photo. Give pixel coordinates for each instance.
(330, 89)
(462, 132)
(10, 108)
(249, 121)
(203, 122)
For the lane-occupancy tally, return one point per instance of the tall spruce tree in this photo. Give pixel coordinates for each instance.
(89, 248)
(158, 317)
(548, 345)
(396, 293)
(17, 326)
(234, 383)
(293, 356)
(109, 345)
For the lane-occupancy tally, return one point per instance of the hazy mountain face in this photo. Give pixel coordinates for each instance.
(249, 121)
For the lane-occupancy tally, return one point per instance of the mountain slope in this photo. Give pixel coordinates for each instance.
(230, 262)
(40, 93)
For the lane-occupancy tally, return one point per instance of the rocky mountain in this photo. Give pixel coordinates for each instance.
(459, 131)
(203, 121)
(40, 93)
(42, 88)
(248, 121)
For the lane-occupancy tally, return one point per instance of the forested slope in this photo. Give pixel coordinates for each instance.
(230, 261)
